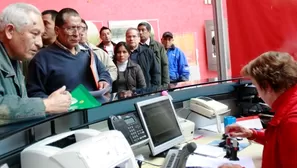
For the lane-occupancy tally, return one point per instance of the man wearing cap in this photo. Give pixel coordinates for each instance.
(178, 64)
(144, 29)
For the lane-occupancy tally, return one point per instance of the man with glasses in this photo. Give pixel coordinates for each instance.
(63, 63)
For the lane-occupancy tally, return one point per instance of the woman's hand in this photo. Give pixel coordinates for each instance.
(236, 130)
(229, 165)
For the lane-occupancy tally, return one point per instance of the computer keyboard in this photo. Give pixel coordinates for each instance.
(172, 159)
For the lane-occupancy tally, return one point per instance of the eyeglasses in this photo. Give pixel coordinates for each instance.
(72, 29)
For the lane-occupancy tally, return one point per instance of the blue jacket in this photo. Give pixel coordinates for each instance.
(178, 65)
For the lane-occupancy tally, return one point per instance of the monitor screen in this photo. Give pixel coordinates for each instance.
(159, 118)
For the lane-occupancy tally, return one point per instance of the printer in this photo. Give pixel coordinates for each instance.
(85, 148)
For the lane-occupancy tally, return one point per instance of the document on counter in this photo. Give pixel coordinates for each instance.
(208, 162)
(209, 150)
(248, 122)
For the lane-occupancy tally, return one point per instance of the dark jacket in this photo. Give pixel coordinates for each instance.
(14, 103)
(134, 77)
(101, 45)
(162, 60)
(148, 63)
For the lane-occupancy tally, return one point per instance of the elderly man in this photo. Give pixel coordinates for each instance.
(21, 28)
(63, 63)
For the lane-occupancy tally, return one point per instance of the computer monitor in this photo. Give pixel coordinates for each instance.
(160, 122)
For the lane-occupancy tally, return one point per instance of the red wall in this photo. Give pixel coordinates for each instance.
(176, 16)
(258, 27)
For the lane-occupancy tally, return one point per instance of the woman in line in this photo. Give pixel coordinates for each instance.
(130, 76)
(275, 76)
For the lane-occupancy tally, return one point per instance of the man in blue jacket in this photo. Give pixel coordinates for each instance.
(178, 64)
(63, 63)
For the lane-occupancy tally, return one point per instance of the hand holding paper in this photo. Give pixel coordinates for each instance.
(102, 85)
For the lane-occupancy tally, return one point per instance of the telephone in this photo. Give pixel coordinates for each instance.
(178, 158)
(129, 124)
(207, 107)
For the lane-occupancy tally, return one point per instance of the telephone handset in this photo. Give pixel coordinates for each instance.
(207, 106)
(129, 124)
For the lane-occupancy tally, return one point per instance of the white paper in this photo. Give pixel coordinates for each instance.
(99, 93)
(249, 123)
(208, 162)
(208, 150)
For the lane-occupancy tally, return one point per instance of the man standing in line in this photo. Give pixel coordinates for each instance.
(145, 29)
(178, 64)
(107, 45)
(144, 57)
(49, 36)
(102, 55)
(21, 29)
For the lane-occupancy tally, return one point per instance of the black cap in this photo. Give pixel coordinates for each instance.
(167, 34)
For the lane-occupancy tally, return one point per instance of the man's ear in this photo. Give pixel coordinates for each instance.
(57, 30)
(9, 31)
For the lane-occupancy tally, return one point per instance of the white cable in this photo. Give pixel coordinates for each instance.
(218, 119)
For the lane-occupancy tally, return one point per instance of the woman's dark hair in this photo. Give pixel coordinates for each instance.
(116, 49)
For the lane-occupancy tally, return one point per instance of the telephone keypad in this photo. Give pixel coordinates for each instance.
(136, 131)
(130, 126)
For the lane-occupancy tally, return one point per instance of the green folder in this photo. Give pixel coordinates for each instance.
(82, 99)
